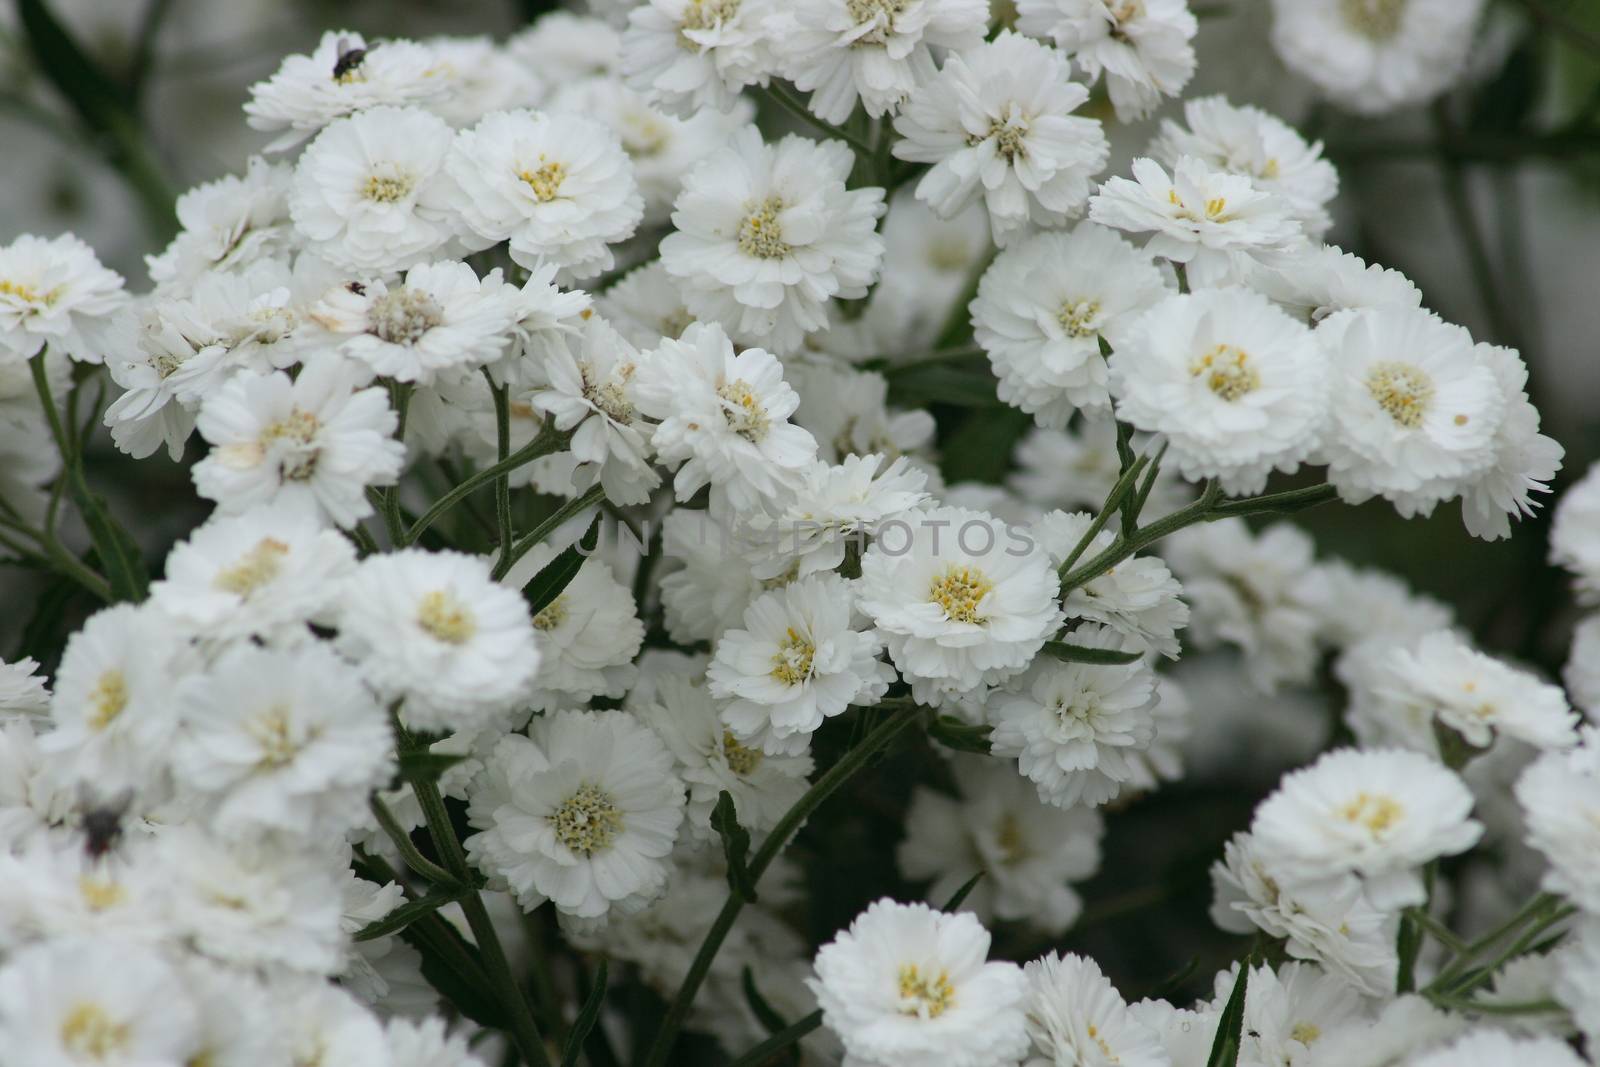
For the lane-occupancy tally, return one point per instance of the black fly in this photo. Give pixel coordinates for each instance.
(102, 824)
(349, 59)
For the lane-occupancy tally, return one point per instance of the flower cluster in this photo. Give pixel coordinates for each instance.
(568, 428)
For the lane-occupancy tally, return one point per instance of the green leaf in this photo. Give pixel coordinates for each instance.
(448, 963)
(1230, 1028)
(119, 556)
(1109, 657)
(764, 1012)
(735, 845)
(960, 895)
(542, 591)
(44, 635)
(586, 1019)
(951, 732)
(945, 384)
(427, 765)
(763, 1053)
(410, 912)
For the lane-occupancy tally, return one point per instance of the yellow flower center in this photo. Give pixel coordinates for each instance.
(927, 996)
(1403, 391)
(705, 15)
(25, 292)
(551, 615)
(299, 429)
(273, 734)
(445, 618)
(880, 14)
(791, 664)
(1377, 813)
(609, 396)
(1305, 1033)
(107, 699)
(1013, 848)
(545, 181)
(959, 591)
(1079, 317)
(385, 189)
(88, 1031)
(1376, 20)
(761, 234)
(743, 410)
(254, 569)
(1216, 209)
(587, 821)
(99, 894)
(1227, 372)
(401, 316)
(742, 760)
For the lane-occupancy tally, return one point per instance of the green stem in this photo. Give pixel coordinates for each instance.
(408, 850)
(524, 1031)
(779, 94)
(1202, 510)
(1113, 503)
(536, 536)
(848, 764)
(549, 440)
(71, 468)
(1458, 966)
(502, 481)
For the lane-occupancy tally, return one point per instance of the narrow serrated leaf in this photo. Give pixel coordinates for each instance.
(1107, 657)
(410, 912)
(549, 583)
(735, 845)
(960, 896)
(587, 1017)
(952, 733)
(1230, 1027)
(119, 556)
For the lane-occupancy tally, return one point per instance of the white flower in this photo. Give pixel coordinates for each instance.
(1405, 1027)
(227, 224)
(1379, 813)
(315, 443)
(1476, 695)
(998, 120)
(723, 416)
(559, 187)
(1138, 598)
(588, 635)
(1288, 1011)
(797, 661)
(55, 292)
(483, 77)
(326, 1025)
(1043, 309)
(766, 234)
(960, 599)
(1199, 216)
(265, 573)
(442, 319)
(1233, 385)
(1582, 673)
(345, 74)
(876, 51)
(1373, 56)
(689, 55)
(289, 741)
(253, 903)
(1313, 282)
(1560, 798)
(1577, 984)
(369, 194)
(663, 147)
(1525, 460)
(85, 1002)
(112, 708)
(1246, 140)
(543, 319)
(1027, 852)
(1075, 728)
(564, 47)
(583, 811)
(847, 412)
(835, 508)
(1261, 592)
(646, 305)
(1416, 407)
(907, 985)
(712, 760)
(1496, 1048)
(1076, 1018)
(434, 629)
(591, 393)
(1142, 46)
(704, 596)
(425, 1043)
(22, 692)
(1330, 922)
(53, 888)
(1575, 535)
